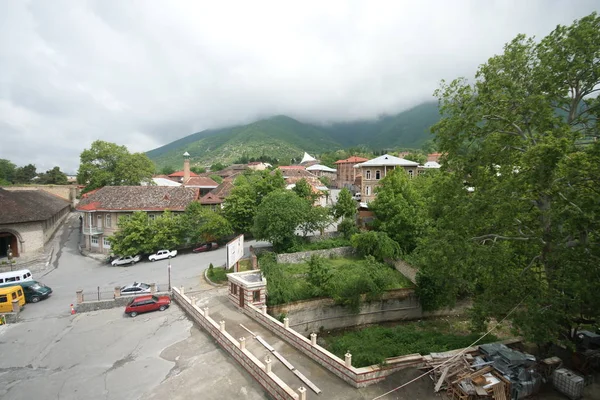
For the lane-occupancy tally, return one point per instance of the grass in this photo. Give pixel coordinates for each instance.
(331, 243)
(372, 345)
(290, 282)
(219, 274)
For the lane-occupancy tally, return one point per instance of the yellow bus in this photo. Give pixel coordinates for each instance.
(8, 294)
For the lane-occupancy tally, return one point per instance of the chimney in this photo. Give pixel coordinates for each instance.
(186, 167)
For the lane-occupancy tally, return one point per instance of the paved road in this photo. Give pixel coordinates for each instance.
(70, 271)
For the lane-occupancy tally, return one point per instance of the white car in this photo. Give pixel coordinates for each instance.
(125, 260)
(162, 254)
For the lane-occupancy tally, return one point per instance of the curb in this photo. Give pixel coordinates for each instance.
(207, 279)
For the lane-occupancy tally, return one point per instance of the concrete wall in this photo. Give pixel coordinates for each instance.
(314, 315)
(295, 258)
(272, 384)
(121, 301)
(357, 377)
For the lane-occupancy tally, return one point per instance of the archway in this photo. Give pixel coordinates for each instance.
(6, 239)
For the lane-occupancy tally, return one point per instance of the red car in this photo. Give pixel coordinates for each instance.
(206, 247)
(142, 304)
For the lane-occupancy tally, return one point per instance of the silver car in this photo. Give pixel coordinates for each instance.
(136, 288)
(125, 260)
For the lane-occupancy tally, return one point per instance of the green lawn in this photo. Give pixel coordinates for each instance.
(372, 345)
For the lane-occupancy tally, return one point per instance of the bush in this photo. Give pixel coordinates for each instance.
(211, 271)
(376, 244)
(347, 228)
(304, 245)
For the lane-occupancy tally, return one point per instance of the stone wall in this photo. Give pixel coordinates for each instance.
(357, 377)
(324, 236)
(315, 315)
(120, 301)
(30, 237)
(272, 384)
(295, 258)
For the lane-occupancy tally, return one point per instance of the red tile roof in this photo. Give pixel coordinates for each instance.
(201, 181)
(353, 160)
(210, 198)
(179, 174)
(139, 198)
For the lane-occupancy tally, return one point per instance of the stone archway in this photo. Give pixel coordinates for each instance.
(9, 238)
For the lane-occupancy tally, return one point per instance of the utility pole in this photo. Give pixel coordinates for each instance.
(169, 269)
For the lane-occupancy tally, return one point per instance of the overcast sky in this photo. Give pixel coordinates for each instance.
(144, 73)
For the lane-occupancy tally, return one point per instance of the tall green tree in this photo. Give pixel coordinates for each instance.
(134, 235)
(531, 227)
(345, 207)
(107, 164)
(202, 224)
(25, 174)
(399, 209)
(278, 216)
(7, 172)
(53, 176)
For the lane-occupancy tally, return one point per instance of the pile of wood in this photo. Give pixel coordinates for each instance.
(465, 378)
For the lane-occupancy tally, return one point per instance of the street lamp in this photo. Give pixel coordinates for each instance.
(169, 269)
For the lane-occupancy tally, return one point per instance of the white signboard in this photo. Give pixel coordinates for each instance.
(235, 251)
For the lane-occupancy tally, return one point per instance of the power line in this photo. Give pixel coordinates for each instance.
(453, 357)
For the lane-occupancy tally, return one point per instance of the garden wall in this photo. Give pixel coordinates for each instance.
(302, 256)
(323, 314)
(276, 388)
(357, 377)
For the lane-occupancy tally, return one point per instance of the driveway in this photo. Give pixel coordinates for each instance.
(106, 355)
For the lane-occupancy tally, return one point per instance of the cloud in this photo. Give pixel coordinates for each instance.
(144, 73)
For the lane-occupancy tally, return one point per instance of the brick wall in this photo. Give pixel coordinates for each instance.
(357, 377)
(276, 388)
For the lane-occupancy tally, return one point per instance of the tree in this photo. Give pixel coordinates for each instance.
(399, 209)
(316, 219)
(303, 189)
(217, 167)
(278, 216)
(134, 235)
(375, 244)
(203, 224)
(107, 164)
(197, 170)
(528, 233)
(345, 207)
(167, 231)
(7, 172)
(25, 174)
(53, 176)
(167, 170)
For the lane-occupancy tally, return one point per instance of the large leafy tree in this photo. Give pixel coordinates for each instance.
(278, 216)
(107, 164)
(7, 172)
(25, 174)
(345, 207)
(202, 224)
(53, 176)
(399, 208)
(528, 234)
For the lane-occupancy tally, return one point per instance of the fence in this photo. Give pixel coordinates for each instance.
(103, 293)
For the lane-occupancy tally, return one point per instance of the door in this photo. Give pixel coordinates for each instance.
(99, 221)
(241, 297)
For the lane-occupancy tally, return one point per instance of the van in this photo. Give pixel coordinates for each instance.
(15, 276)
(8, 294)
(34, 291)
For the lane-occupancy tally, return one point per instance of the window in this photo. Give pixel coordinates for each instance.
(368, 175)
(3, 299)
(20, 292)
(368, 191)
(410, 173)
(108, 219)
(99, 220)
(152, 217)
(234, 289)
(105, 243)
(378, 174)
(14, 295)
(256, 295)
(94, 241)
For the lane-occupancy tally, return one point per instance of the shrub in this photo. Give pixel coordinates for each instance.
(211, 271)
(376, 244)
(347, 228)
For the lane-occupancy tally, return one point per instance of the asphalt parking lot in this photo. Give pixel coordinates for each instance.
(107, 355)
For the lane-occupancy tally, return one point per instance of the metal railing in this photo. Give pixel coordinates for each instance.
(103, 293)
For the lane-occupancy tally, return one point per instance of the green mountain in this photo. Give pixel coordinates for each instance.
(285, 138)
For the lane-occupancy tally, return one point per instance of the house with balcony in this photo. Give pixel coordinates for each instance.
(102, 208)
(372, 171)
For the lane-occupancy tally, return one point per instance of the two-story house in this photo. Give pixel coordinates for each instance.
(346, 174)
(103, 207)
(374, 170)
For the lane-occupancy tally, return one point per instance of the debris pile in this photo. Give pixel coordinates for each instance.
(493, 371)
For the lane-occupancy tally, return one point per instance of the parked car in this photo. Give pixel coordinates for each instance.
(356, 196)
(143, 304)
(162, 254)
(136, 288)
(206, 247)
(125, 260)
(34, 290)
